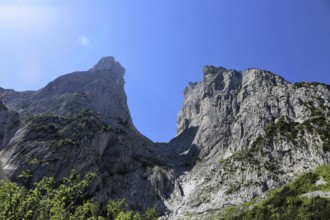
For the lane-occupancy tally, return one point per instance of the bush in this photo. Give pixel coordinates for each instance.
(150, 214)
(49, 200)
(287, 202)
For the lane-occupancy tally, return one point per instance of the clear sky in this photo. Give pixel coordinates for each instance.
(163, 44)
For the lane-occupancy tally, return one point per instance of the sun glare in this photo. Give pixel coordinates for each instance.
(83, 40)
(22, 16)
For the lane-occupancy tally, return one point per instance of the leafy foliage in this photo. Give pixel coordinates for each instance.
(66, 131)
(288, 202)
(49, 200)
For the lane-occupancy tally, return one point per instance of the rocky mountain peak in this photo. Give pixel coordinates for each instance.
(209, 69)
(239, 134)
(101, 90)
(248, 119)
(223, 91)
(108, 64)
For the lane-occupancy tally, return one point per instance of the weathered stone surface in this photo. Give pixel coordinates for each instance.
(109, 64)
(231, 110)
(80, 121)
(316, 194)
(239, 134)
(9, 122)
(100, 90)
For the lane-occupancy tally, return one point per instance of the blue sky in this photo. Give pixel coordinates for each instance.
(163, 44)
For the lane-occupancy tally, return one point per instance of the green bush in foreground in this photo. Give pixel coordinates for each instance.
(66, 201)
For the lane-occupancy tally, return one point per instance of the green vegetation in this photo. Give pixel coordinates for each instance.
(63, 142)
(24, 175)
(49, 200)
(300, 84)
(286, 130)
(287, 202)
(258, 156)
(233, 188)
(318, 124)
(64, 132)
(42, 116)
(282, 130)
(33, 161)
(323, 132)
(305, 84)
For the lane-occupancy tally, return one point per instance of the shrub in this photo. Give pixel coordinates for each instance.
(48, 200)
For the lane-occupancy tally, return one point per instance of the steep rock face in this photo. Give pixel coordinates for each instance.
(255, 131)
(2, 173)
(101, 90)
(80, 121)
(239, 134)
(9, 122)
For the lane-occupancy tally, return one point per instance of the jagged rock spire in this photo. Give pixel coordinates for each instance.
(108, 64)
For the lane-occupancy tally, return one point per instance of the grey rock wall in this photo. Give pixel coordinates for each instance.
(242, 151)
(239, 134)
(79, 121)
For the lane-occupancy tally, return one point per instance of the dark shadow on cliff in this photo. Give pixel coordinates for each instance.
(128, 170)
(185, 153)
(171, 160)
(145, 175)
(179, 154)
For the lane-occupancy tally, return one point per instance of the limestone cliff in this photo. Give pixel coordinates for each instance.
(239, 134)
(255, 131)
(79, 121)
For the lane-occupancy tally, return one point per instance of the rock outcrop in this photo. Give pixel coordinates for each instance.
(79, 121)
(239, 134)
(9, 122)
(255, 131)
(101, 90)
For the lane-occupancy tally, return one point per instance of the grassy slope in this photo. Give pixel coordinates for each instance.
(287, 202)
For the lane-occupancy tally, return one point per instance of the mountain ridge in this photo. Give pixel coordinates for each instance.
(239, 134)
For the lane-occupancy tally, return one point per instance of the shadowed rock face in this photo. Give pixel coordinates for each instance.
(101, 90)
(79, 121)
(239, 134)
(9, 123)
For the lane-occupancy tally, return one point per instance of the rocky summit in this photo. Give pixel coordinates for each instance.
(239, 135)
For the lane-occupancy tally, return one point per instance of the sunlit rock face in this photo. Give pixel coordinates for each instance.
(239, 134)
(255, 132)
